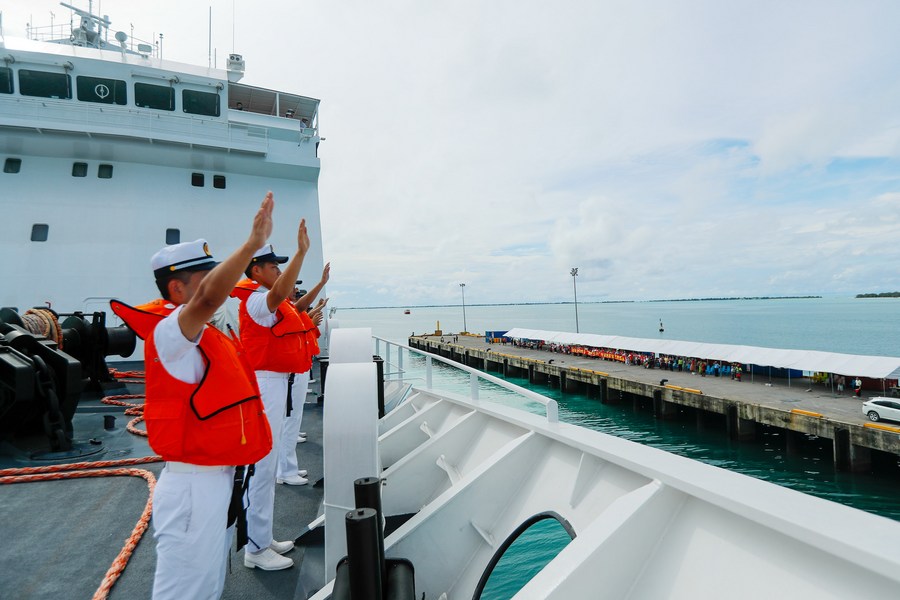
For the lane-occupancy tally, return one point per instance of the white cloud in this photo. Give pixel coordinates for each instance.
(666, 149)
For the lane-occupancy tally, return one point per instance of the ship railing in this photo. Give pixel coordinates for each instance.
(129, 122)
(63, 33)
(476, 377)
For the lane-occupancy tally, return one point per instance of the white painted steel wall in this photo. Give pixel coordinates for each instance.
(349, 433)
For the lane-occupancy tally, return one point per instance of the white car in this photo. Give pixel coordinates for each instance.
(882, 408)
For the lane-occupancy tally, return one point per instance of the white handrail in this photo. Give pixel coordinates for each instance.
(550, 405)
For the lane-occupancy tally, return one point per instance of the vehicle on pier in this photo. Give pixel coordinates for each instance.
(882, 409)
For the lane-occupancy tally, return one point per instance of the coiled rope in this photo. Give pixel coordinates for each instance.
(103, 468)
(43, 321)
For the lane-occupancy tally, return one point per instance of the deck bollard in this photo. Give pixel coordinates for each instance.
(367, 494)
(365, 581)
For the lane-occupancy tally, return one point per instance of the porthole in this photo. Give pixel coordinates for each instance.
(219, 182)
(173, 236)
(40, 232)
(79, 169)
(522, 555)
(12, 165)
(197, 180)
(105, 171)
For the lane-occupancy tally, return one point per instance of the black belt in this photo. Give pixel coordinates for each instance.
(290, 401)
(237, 513)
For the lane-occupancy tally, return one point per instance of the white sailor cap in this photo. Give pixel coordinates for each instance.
(267, 254)
(188, 256)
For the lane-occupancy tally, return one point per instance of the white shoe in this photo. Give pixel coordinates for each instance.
(301, 439)
(302, 434)
(282, 547)
(295, 480)
(267, 560)
(302, 473)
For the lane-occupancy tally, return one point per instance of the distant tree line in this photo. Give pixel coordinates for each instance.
(737, 298)
(880, 295)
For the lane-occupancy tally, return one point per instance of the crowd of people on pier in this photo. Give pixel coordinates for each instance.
(687, 364)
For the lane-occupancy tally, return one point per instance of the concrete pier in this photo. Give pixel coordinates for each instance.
(798, 406)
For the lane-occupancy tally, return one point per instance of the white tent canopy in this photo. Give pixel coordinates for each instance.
(876, 367)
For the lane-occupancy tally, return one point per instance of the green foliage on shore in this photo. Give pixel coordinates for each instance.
(880, 295)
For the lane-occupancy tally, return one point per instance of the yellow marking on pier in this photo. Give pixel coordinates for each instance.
(882, 427)
(682, 389)
(808, 413)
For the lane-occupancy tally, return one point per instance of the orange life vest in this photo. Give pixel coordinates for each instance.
(311, 333)
(218, 421)
(281, 348)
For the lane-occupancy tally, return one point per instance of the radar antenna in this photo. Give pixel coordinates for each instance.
(90, 32)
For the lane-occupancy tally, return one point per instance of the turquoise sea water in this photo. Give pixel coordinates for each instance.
(856, 326)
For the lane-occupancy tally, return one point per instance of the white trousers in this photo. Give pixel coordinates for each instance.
(287, 450)
(261, 501)
(190, 511)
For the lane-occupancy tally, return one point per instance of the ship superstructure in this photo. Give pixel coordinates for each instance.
(110, 152)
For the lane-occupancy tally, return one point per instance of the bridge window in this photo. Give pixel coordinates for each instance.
(98, 89)
(173, 236)
(12, 165)
(40, 232)
(6, 80)
(44, 84)
(200, 103)
(160, 97)
(522, 555)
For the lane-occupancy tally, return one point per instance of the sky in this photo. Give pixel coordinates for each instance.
(667, 150)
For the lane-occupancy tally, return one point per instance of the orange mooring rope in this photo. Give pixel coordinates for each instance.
(94, 469)
(101, 469)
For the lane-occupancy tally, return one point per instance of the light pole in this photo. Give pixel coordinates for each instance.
(462, 288)
(574, 274)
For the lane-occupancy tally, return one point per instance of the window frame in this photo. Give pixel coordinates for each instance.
(141, 88)
(29, 87)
